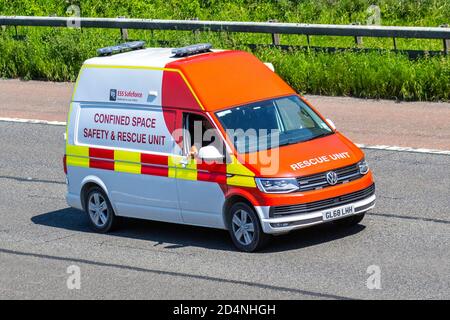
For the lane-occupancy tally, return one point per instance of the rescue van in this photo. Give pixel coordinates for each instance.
(204, 137)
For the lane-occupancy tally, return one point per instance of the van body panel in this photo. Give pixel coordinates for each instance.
(307, 158)
(232, 78)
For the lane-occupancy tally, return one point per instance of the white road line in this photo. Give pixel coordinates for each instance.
(36, 121)
(404, 149)
(364, 146)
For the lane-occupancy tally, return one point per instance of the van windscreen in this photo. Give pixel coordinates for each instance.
(271, 123)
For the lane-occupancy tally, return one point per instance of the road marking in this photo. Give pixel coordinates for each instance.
(360, 145)
(404, 149)
(35, 121)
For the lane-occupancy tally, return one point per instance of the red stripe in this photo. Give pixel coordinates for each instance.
(216, 172)
(212, 177)
(154, 170)
(103, 154)
(101, 164)
(212, 167)
(154, 159)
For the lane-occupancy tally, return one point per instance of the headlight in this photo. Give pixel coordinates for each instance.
(363, 166)
(277, 185)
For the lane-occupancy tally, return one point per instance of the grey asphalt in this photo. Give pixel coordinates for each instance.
(407, 235)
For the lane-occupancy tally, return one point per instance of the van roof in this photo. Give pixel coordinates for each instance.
(220, 78)
(149, 57)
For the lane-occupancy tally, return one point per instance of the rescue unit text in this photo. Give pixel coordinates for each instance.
(125, 120)
(318, 160)
(124, 136)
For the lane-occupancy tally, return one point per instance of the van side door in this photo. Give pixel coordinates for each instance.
(201, 186)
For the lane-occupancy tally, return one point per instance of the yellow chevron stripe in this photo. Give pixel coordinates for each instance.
(177, 170)
(77, 156)
(241, 175)
(127, 161)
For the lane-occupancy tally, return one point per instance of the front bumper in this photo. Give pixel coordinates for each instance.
(303, 220)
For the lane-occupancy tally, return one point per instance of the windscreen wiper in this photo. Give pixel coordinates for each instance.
(320, 136)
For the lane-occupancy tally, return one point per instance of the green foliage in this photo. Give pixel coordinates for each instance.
(57, 54)
(365, 75)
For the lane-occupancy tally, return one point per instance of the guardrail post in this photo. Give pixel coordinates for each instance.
(446, 42)
(395, 43)
(358, 39)
(275, 36)
(17, 36)
(123, 32)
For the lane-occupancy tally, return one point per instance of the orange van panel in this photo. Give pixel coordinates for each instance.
(230, 78)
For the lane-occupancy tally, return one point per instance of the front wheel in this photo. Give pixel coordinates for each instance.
(245, 228)
(350, 221)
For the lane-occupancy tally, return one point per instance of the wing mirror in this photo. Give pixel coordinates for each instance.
(210, 153)
(331, 124)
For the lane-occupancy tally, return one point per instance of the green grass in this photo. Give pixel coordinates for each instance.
(370, 75)
(57, 54)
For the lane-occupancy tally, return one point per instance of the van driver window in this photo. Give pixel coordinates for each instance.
(199, 132)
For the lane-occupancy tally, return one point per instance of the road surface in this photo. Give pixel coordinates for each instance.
(407, 236)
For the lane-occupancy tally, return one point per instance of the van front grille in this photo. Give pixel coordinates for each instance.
(309, 207)
(319, 180)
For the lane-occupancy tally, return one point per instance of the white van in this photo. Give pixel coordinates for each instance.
(132, 148)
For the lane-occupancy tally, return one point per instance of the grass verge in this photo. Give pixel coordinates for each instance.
(57, 54)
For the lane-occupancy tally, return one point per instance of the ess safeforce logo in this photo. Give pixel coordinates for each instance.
(112, 95)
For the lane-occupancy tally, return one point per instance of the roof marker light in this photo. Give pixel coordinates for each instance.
(128, 46)
(191, 50)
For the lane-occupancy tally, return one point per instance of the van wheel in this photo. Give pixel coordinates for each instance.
(350, 221)
(245, 228)
(99, 210)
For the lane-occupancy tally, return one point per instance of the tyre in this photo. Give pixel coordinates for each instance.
(245, 228)
(99, 210)
(350, 221)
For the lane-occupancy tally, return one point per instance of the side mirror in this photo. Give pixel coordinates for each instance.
(209, 153)
(331, 123)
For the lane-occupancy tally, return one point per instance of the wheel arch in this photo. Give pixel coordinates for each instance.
(229, 202)
(88, 183)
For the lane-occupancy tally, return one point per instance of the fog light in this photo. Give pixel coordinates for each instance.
(280, 225)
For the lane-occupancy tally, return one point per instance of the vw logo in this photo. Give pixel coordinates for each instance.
(331, 177)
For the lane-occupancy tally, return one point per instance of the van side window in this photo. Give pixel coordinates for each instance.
(198, 133)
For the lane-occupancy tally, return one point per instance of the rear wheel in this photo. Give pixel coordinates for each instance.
(245, 228)
(99, 210)
(350, 221)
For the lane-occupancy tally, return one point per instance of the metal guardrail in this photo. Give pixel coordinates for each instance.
(231, 26)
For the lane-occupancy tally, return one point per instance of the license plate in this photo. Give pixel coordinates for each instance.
(338, 213)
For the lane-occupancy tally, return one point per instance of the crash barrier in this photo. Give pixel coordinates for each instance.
(272, 27)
